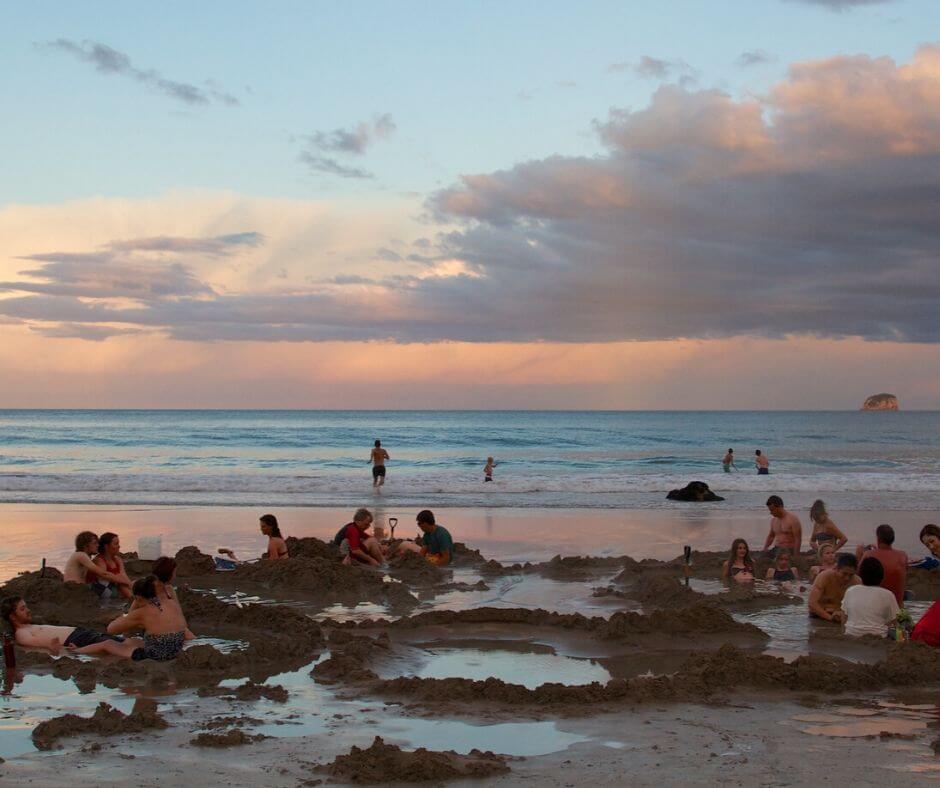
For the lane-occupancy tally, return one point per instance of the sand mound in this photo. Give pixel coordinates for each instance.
(578, 568)
(106, 721)
(348, 658)
(233, 738)
(247, 692)
(383, 763)
(52, 601)
(924, 583)
(414, 570)
(700, 618)
(310, 547)
(191, 562)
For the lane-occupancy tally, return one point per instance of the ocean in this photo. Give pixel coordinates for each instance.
(614, 460)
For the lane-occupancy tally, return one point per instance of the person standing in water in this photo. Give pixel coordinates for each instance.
(378, 458)
(728, 461)
(488, 470)
(762, 463)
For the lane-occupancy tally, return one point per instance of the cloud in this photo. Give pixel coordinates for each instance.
(91, 333)
(107, 60)
(841, 5)
(649, 67)
(330, 166)
(754, 57)
(354, 140)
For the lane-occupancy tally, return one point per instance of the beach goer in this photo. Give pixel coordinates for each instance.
(826, 555)
(488, 470)
(762, 463)
(825, 597)
(78, 640)
(164, 572)
(437, 545)
(893, 561)
(80, 567)
(277, 547)
(930, 538)
(356, 545)
(824, 530)
(927, 630)
(109, 559)
(782, 571)
(786, 530)
(739, 566)
(378, 457)
(164, 626)
(868, 607)
(727, 461)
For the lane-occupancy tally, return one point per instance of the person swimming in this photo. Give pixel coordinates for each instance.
(739, 566)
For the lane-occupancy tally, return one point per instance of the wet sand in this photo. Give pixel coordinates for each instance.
(562, 671)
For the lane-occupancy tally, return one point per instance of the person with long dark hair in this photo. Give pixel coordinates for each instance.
(277, 547)
(739, 566)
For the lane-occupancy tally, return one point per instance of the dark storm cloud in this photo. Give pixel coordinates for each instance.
(107, 60)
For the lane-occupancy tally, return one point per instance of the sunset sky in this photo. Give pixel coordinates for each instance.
(693, 204)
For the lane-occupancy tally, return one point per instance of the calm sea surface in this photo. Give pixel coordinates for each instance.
(853, 460)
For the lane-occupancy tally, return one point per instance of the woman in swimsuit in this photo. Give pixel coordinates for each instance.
(826, 553)
(824, 530)
(164, 625)
(930, 537)
(277, 547)
(781, 571)
(109, 559)
(739, 565)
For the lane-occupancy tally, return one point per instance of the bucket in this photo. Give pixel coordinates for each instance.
(150, 548)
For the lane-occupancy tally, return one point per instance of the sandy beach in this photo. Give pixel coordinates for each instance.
(603, 669)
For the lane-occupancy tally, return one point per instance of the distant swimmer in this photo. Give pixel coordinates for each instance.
(378, 458)
(488, 470)
(728, 461)
(762, 463)
(786, 530)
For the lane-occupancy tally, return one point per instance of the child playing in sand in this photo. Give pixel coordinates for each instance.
(488, 470)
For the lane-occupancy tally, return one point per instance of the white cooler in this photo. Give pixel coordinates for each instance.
(150, 548)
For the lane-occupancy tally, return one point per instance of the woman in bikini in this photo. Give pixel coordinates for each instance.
(277, 547)
(824, 530)
(739, 566)
(164, 625)
(109, 559)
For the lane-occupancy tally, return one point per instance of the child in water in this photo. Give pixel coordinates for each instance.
(488, 470)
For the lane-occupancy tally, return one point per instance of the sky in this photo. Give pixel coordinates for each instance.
(711, 204)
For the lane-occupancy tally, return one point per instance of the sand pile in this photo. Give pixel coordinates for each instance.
(106, 721)
(700, 618)
(233, 738)
(53, 602)
(384, 763)
(249, 691)
(310, 547)
(578, 568)
(349, 657)
(192, 562)
(924, 583)
(414, 570)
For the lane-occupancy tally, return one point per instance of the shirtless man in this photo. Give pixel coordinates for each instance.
(78, 640)
(727, 462)
(786, 531)
(378, 458)
(81, 569)
(825, 597)
(762, 463)
(164, 625)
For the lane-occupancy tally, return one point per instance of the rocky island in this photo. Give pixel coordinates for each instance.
(881, 402)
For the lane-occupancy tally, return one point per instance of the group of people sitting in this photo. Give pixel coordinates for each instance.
(154, 616)
(865, 591)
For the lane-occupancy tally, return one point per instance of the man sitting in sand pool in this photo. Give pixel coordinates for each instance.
(164, 625)
(868, 608)
(893, 561)
(355, 545)
(109, 559)
(78, 640)
(786, 530)
(828, 591)
(782, 571)
(438, 547)
(80, 568)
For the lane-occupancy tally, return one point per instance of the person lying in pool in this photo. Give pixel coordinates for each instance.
(930, 538)
(164, 625)
(826, 554)
(277, 547)
(782, 571)
(828, 591)
(437, 545)
(78, 640)
(739, 566)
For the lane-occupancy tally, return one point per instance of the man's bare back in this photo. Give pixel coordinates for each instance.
(379, 456)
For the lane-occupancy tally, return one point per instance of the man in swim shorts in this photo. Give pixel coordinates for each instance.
(728, 461)
(378, 458)
(762, 463)
(825, 597)
(786, 531)
(79, 640)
